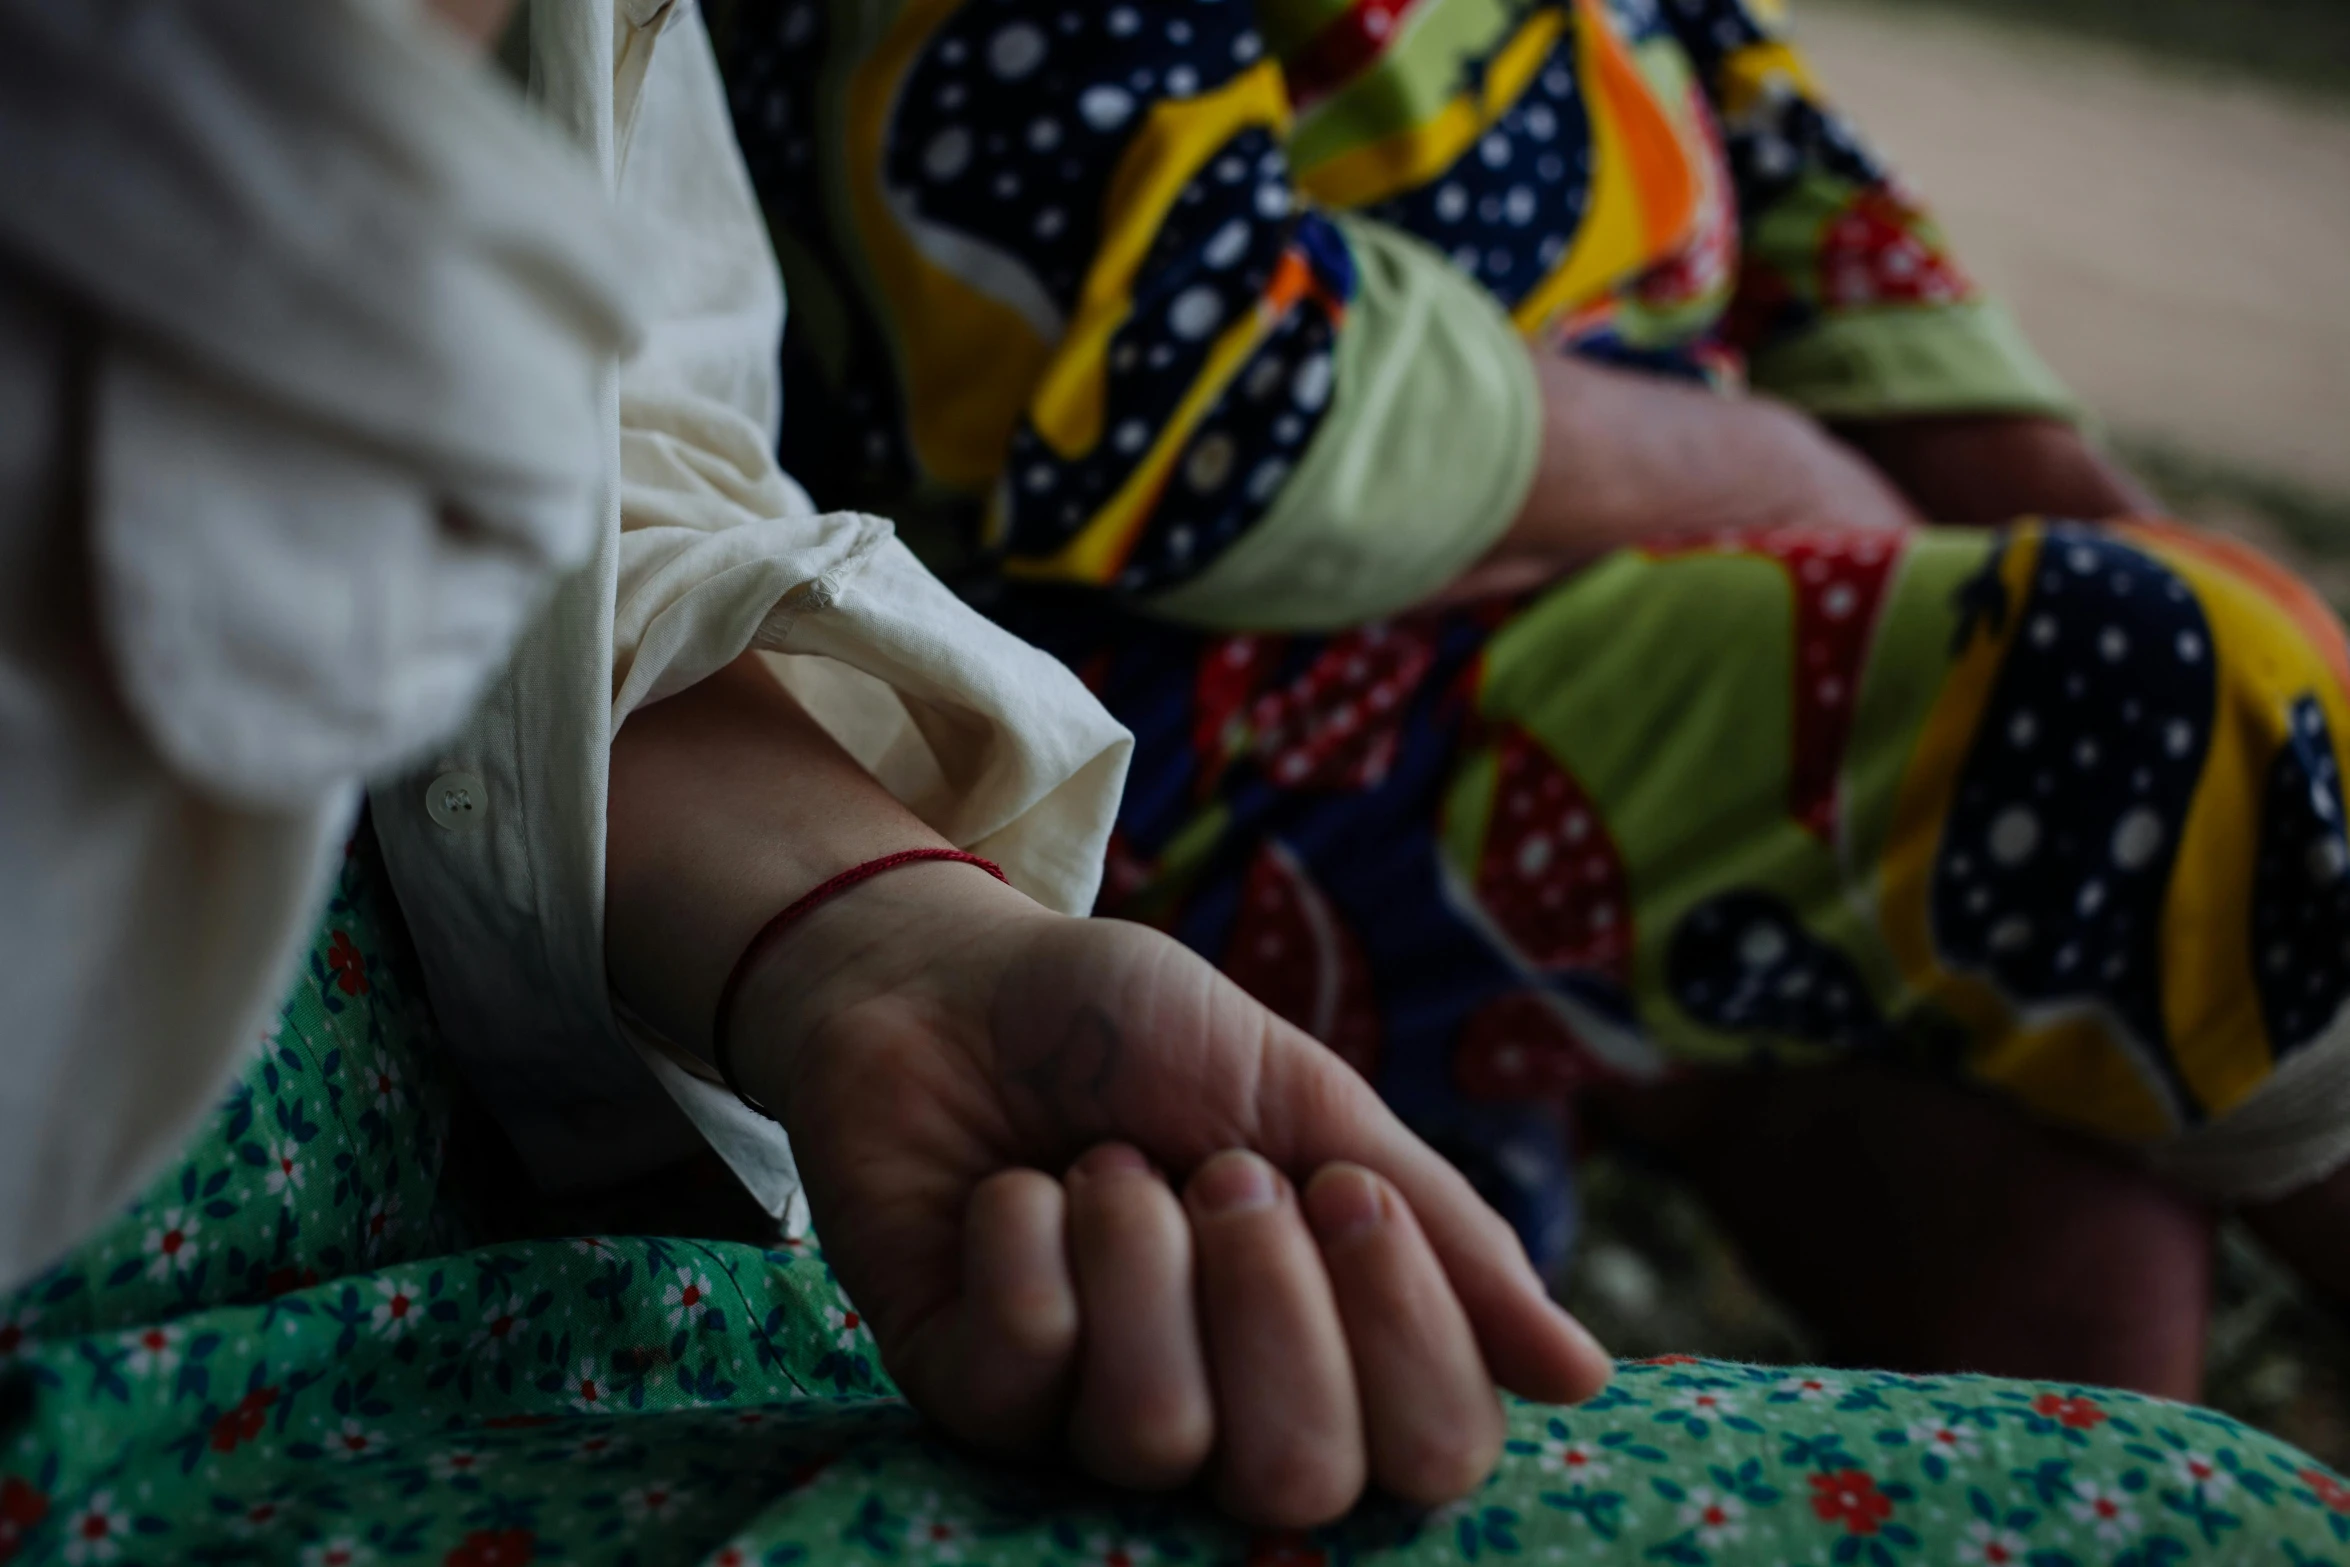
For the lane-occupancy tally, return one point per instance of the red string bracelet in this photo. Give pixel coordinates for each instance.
(774, 930)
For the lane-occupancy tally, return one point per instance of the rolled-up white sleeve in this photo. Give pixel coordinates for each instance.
(282, 289)
(992, 743)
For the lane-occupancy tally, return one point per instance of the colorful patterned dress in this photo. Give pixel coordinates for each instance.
(293, 1349)
(1185, 337)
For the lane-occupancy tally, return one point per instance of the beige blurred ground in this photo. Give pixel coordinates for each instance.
(2179, 247)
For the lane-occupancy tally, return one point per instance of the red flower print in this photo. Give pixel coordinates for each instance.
(494, 1548)
(1851, 1498)
(21, 1506)
(1286, 1549)
(244, 1422)
(2329, 1490)
(2070, 1410)
(349, 963)
(1668, 1360)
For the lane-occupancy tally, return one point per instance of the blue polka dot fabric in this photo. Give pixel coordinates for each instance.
(2301, 891)
(2057, 851)
(1743, 963)
(1508, 209)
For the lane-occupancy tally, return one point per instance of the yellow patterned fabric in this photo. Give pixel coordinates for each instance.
(1134, 297)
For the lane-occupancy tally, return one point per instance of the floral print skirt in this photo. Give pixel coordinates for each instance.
(293, 1349)
(2053, 809)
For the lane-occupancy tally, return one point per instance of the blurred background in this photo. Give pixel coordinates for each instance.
(2161, 191)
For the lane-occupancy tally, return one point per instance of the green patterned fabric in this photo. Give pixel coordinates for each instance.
(288, 1351)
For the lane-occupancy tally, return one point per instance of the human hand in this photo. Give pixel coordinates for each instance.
(982, 1096)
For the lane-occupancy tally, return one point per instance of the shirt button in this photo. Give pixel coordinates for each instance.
(456, 800)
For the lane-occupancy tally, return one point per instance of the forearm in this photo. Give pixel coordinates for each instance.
(1629, 457)
(1994, 468)
(727, 802)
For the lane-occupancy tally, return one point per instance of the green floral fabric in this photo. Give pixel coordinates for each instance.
(290, 1350)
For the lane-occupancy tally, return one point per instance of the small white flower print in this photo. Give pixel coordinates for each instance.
(1580, 1462)
(655, 1499)
(1717, 1516)
(341, 1551)
(399, 1307)
(382, 1222)
(96, 1533)
(1992, 1546)
(1104, 1550)
(154, 1351)
(171, 1242)
(2201, 1474)
(2105, 1509)
(286, 1174)
(847, 1328)
(259, 1518)
(1705, 1403)
(353, 1440)
(590, 1448)
(588, 1388)
(501, 1329)
(454, 1463)
(1808, 1388)
(591, 1246)
(687, 1298)
(933, 1536)
(1953, 1442)
(383, 1083)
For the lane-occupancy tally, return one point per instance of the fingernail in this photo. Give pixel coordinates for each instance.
(1234, 1182)
(1344, 1201)
(1111, 1159)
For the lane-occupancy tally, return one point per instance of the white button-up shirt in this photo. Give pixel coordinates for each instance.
(265, 326)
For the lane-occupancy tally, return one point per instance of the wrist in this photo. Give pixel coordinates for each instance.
(928, 936)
